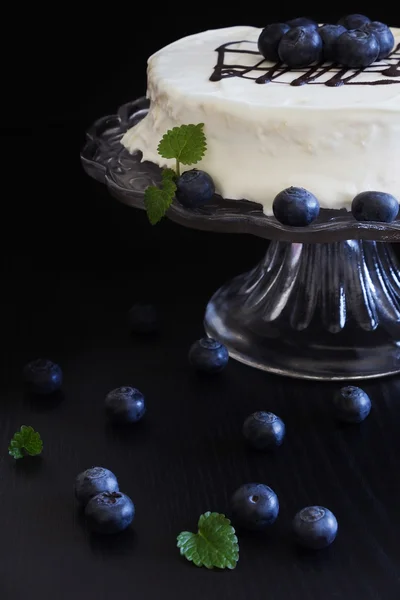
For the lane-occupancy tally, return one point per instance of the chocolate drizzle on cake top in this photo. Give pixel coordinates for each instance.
(387, 70)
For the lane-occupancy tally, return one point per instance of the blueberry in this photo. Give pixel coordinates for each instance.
(300, 47)
(351, 404)
(315, 527)
(109, 512)
(255, 506)
(353, 21)
(330, 35)
(208, 355)
(194, 188)
(383, 35)
(296, 207)
(143, 318)
(356, 49)
(264, 430)
(125, 405)
(42, 376)
(93, 481)
(269, 39)
(302, 22)
(375, 206)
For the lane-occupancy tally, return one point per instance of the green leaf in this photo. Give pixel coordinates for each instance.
(15, 450)
(187, 144)
(215, 544)
(25, 441)
(158, 200)
(168, 181)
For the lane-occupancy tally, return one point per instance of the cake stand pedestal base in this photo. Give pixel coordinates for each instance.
(316, 307)
(314, 311)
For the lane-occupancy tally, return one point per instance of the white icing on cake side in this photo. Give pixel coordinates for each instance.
(334, 141)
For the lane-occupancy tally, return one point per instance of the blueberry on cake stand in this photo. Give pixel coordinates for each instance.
(323, 304)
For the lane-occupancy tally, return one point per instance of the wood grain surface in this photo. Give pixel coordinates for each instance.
(73, 260)
(66, 298)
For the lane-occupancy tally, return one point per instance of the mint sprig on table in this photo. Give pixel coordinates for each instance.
(187, 145)
(214, 545)
(26, 441)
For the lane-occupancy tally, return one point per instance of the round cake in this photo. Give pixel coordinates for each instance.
(332, 130)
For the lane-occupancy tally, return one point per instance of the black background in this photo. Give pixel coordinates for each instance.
(73, 261)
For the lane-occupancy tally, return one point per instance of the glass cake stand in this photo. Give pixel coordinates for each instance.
(323, 304)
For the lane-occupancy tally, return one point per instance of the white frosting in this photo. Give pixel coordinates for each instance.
(334, 141)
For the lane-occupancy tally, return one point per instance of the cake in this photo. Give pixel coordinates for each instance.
(332, 130)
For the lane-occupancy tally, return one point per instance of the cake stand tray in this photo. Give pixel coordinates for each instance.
(323, 304)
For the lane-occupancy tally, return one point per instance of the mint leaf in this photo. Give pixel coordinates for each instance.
(187, 144)
(158, 200)
(168, 181)
(215, 544)
(25, 441)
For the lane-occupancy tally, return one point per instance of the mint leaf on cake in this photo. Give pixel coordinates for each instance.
(26, 441)
(168, 181)
(187, 144)
(158, 200)
(214, 545)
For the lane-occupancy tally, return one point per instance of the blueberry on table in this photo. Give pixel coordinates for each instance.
(375, 206)
(357, 49)
(315, 527)
(269, 39)
(353, 21)
(194, 188)
(109, 512)
(255, 506)
(351, 404)
(264, 430)
(296, 207)
(143, 318)
(300, 47)
(42, 376)
(208, 355)
(302, 22)
(383, 35)
(93, 481)
(125, 405)
(330, 35)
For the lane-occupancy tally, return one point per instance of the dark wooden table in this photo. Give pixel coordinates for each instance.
(67, 287)
(73, 262)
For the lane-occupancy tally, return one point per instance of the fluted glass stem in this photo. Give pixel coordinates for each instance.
(318, 311)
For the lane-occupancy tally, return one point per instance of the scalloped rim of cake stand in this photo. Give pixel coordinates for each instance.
(103, 157)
